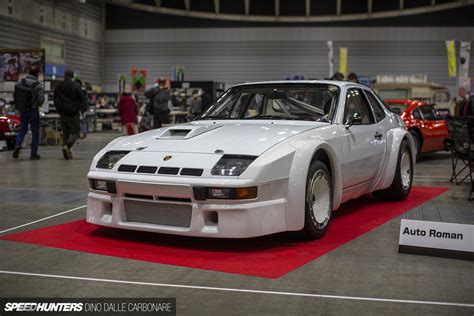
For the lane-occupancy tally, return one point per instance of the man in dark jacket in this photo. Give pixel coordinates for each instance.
(68, 98)
(29, 96)
(160, 96)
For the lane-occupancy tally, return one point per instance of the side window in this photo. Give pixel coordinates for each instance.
(416, 114)
(376, 107)
(427, 112)
(356, 103)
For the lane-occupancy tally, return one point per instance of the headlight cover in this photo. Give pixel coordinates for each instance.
(232, 165)
(110, 158)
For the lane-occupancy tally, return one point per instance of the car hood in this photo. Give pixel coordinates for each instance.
(223, 137)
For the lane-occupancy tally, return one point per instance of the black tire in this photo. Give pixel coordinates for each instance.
(417, 139)
(312, 229)
(397, 191)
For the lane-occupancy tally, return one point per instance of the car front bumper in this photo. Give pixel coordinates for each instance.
(167, 205)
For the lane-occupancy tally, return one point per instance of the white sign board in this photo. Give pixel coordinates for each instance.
(437, 235)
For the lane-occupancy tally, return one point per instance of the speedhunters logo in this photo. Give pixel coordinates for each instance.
(43, 307)
(109, 306)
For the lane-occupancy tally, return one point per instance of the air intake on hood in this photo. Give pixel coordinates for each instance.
(177, 132)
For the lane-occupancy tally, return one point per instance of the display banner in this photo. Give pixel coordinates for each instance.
(330, 58)
(451, 51)
(343, 61)
(122, 82)
(138, 79)
(88, 306)
(437, 239)
(464, 57)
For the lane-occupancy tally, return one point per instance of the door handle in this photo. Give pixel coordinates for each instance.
(378, 135)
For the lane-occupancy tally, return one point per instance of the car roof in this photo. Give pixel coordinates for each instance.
(290, 82)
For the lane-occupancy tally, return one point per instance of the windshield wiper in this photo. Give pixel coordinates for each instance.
(268, 117)
(213, 118)
(278, 117)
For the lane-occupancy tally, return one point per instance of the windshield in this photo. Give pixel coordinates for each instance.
(315, 102)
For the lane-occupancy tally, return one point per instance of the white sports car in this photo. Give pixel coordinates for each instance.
(265, 158)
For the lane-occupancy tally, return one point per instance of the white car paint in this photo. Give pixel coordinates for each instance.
(359, 162)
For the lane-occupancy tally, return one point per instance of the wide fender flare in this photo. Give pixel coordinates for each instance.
(305, 152)
(395, 137)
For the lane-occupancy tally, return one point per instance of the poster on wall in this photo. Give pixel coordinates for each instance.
(28, 59)
(9, 68)
(16, 63)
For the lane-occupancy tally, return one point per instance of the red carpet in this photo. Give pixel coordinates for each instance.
(270, 256)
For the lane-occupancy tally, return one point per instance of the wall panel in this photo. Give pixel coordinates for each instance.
(240, 55)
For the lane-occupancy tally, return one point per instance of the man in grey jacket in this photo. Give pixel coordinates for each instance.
(28, 97)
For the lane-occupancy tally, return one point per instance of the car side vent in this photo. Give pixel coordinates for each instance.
(168, 170)
(127, 168)
(191, 172)
(147, 169)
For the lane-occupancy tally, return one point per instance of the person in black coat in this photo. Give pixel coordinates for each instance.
(69, 99)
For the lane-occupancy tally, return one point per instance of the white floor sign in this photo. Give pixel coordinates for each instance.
(437, 238)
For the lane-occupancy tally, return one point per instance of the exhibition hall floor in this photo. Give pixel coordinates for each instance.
(47, 250)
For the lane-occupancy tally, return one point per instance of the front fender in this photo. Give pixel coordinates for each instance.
(305, 151)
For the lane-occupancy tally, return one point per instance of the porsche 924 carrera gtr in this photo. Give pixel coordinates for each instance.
(265, 158)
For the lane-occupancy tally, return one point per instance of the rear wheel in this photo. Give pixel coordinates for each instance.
(318, 202)
(403, 178)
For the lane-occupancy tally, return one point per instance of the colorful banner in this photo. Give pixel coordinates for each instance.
(451, 51)
(464, 57)
(343, 61)
(121, 83)
(138, 79)
(330, 58)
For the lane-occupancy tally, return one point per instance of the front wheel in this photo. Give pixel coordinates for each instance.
(403, 178)
(318, 202)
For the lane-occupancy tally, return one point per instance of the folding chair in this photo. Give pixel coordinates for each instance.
(460, 145)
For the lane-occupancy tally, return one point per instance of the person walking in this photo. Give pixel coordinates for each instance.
(68, 98)
(160, 96)
(28, 97)
(83, 108)
(128, 111)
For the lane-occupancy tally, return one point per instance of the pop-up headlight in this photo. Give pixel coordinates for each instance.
(232, 165)
(110, 158)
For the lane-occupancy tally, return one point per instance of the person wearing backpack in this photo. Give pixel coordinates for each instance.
(28, 97)
(68, 100)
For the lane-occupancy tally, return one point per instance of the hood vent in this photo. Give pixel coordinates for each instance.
(178, 132)
(187, 131)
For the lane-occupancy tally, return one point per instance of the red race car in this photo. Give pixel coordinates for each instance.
(9, 127)
(424, 123)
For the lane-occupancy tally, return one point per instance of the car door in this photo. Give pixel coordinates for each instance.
(364, 143)
(434, 128)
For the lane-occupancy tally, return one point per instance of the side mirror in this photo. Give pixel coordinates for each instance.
(190, 117)
(354, 119)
